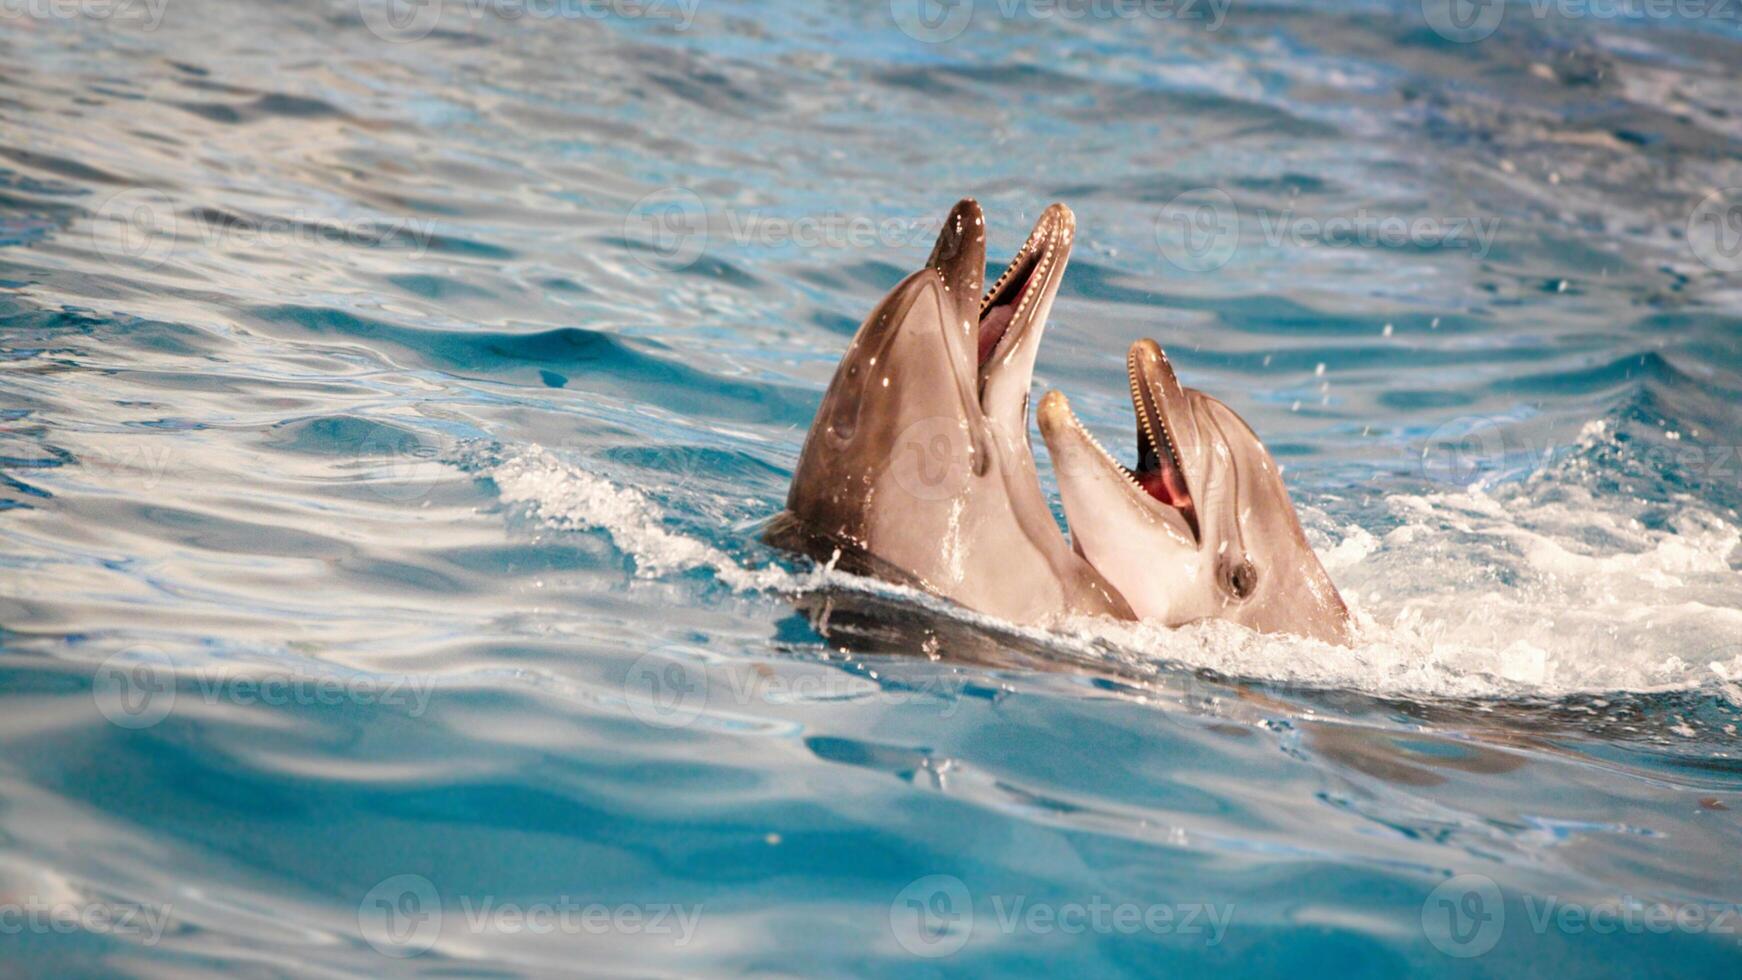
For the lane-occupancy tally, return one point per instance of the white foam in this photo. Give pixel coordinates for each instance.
(566, 496)
(1549, 593)
(1539, 588)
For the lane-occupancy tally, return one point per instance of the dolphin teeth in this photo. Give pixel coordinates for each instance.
(1041, 232)
(1158, 441)
(1083, 430)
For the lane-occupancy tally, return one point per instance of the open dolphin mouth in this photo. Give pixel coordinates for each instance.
(1159, 471)
(1163, 410)
(1008, 306)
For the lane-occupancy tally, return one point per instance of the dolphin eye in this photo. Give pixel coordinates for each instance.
(1241, 579)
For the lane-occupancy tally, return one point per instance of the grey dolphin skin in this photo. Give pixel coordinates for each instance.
(917, 468)
(1203, 527)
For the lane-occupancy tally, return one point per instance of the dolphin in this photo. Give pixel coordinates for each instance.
(917, 468)
(1203, 527)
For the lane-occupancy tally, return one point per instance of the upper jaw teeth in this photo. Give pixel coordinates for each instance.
(1154, 430)
(1040, 238)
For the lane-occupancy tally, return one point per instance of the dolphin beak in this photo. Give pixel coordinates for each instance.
(1025, 290)
(1013, 318)
(959, 259)
(1002, 328)
(1165, 436)
(1103, 499)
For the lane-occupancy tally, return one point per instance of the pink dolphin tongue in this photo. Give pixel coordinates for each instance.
(1167, 485)
(992, 327)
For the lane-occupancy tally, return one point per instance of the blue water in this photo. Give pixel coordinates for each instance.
(386, 424)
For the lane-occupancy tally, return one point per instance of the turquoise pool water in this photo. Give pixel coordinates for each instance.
(391, 395)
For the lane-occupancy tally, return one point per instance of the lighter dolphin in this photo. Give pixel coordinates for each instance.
(1203, 527)
(918, 467)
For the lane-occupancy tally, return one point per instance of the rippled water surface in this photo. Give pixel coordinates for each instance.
(390, 400)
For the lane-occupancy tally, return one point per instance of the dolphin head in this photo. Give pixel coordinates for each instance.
(1202, 527)
(918, 464)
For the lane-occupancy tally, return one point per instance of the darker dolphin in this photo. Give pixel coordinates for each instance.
(918, 468)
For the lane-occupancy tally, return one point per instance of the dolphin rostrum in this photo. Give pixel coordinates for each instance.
(1203, 527)
(917, 468)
